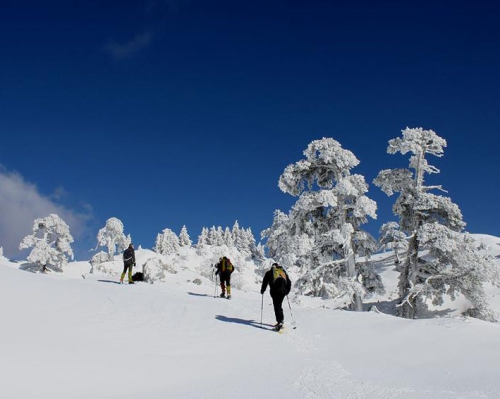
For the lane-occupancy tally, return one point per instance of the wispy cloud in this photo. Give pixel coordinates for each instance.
(131, 47)
(21, 203)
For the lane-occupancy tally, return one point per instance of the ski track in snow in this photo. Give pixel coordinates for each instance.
(330, 380)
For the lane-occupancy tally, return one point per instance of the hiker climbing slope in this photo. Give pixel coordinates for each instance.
(224, 270)
(279, 287)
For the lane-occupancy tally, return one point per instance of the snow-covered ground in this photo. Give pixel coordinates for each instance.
(64, 336)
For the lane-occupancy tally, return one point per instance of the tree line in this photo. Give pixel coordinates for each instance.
(322, 240)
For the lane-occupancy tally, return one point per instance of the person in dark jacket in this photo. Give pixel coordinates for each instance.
(128, 263)
(224, 270)
(279, 287)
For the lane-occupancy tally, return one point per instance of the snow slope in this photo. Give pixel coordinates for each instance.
(65, 336)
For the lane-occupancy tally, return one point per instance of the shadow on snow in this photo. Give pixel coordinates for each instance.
(195, 294)
(251, 323)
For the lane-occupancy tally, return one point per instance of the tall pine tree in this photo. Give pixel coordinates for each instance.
(324, 224)
(433, 223)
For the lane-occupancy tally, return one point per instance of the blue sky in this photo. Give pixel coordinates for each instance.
(165, 113)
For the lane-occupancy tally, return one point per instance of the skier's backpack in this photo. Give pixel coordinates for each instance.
(227, 266)
(279, 280)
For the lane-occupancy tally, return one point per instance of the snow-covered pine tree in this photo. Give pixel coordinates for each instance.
(212, 236)
(251, 246)
(325, 221)
(228, 238)
(451, 264)
(219, 237)
(392, 238)
(260, 253)
(455, 265)
(51, 242)
(202, 238)
(279, 242)
(184, 239)
(167, 243)
(238, 236)
(112, 237)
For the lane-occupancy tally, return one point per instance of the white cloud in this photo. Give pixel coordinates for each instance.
(21, 203)
(131, 47)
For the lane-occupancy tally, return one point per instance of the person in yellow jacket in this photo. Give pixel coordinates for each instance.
(224, 270)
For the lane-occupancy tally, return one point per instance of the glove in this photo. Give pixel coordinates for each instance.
(134, 264)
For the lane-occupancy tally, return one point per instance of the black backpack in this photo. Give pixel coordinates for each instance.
(279, 280)
(138, 276)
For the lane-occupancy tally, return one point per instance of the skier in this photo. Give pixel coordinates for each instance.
(279, 287)
(224, 270)
(128, 263)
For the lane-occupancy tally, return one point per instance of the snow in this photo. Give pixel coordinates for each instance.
(65, 336)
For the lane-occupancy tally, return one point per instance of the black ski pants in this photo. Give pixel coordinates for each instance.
(278, 307)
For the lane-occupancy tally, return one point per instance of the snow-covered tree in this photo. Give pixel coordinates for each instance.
(228, 238)
(184, 239)
(155, 270)
(97, 263)
(112, 237)
(441, 259)
(239, 237)
(219, 237)
(251, 245)
(202, 238)
(455, 265)
(260, 252)
(215, 236)
(392, 238)
(325, 221)
(167, 243)
(51, 242)
(279, 237)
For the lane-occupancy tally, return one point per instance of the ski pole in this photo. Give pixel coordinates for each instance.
(293, 321)
(215, 281)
